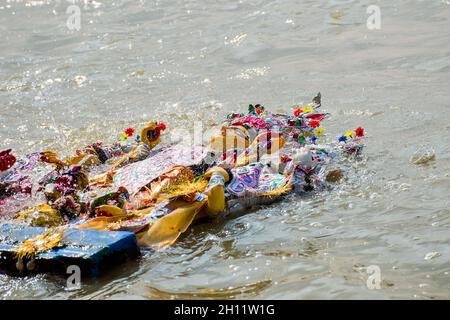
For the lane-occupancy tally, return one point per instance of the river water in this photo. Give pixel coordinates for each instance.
(182, 61)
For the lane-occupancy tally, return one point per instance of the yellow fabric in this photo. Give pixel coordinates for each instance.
(101, 223)
(216, 195)
(43, 242)
(51, 157)
(102, 180)
(166, 231)
(175, 182)
(42, 216)
(84, 159)
(109, 211)
(221, 142)
(186, 189)
(216, 200)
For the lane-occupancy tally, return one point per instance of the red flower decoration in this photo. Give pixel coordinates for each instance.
(298, 112)
(7, 160)
(359, 132)
(129, 132)
(259, 111)
(162, 126)
(314, 124)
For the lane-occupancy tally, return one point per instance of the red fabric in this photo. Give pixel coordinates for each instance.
(316, 116)
(7, 160)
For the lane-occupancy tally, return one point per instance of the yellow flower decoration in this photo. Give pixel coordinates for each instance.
(319, 131)
(307, 109)
(349, 133)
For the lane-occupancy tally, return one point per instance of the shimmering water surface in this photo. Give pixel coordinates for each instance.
(181, 61)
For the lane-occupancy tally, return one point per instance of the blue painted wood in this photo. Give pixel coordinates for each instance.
(93, 251)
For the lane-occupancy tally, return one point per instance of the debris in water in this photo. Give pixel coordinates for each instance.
(156, 192)
(423, 156)
(432, 255)
(79, 80)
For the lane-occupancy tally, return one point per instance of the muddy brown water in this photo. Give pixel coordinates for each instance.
(182, 61)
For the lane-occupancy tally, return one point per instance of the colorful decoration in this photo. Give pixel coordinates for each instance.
(244, 178)
(161, 126)
(43, 242)
(314, 124)
(7, 160)
(351, 134)
(129, 132)
(298, 112)
(308, 109)
(158, 193)
(151, 133)
(359, 132)
(255, 109)
(316, 116)
(318, 132)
